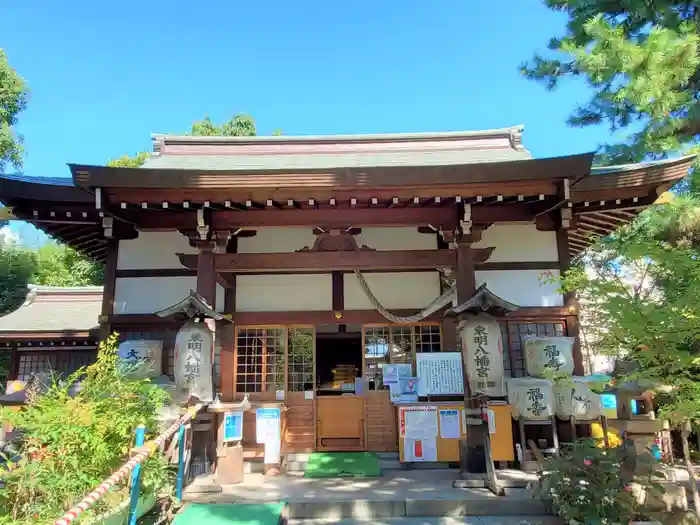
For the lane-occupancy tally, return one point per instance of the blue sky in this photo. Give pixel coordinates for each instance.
(105, 75)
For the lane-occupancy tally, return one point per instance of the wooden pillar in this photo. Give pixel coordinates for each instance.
(206, 272)
(338, 295)
(227, 359)
(466, 287)
(110, 282)
(13, 367)
(572, 320)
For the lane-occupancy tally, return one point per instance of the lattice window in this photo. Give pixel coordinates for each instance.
(428, 338)
(401, 344)
(58, 362)
(377, 339)
(300, 359)
(514, 358)
(398, 344)
(260, 359)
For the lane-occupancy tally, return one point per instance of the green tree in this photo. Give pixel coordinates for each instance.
(13, 100)
(240, 125)
(642, 60)
(17, 265)
(638, 289)
(125, 161)
(60, 265)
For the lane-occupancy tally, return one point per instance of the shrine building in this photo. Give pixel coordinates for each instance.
(329, 257)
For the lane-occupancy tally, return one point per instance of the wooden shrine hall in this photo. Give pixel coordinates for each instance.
(327, 253)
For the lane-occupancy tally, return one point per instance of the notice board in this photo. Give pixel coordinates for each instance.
(502, 446)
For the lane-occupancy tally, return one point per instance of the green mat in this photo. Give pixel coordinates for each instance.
(233, 514)
(342, 464)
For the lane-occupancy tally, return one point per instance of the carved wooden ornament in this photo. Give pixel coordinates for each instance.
(336, 241)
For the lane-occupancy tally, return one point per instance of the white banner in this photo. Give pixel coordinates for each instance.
(482, 347)
(194, 348)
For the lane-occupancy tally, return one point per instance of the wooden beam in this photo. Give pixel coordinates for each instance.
(330, 261)
(526, 313)
(319, 318)
(444, 217)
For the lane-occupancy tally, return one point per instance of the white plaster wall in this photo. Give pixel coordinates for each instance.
(519, 243)
(277, 240)
(146, 295)
(396, 238)
(522, 287)
(152, 251)
(284, 293)
(394, 290)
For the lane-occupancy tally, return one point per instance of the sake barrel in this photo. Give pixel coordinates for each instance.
(531, 398)
(142, 357)
(548, 353)
(574, 397)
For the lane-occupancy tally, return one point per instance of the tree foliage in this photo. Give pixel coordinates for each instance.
(642, 60)
(125, 161)
(13, 100)
(74, 438)
(51, 265)
(240, 125)
(638, 288)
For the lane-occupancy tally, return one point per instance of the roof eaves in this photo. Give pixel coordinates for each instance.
(604, 170)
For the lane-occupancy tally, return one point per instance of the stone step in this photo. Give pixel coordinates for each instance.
(465, 520)
(484, 504)
(380, 509)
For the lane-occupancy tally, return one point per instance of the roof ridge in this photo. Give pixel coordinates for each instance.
(513, 133)
(45, 289)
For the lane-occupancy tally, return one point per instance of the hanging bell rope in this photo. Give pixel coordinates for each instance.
(442, 301)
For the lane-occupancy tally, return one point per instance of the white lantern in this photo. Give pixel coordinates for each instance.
(482, 351)
(194, 346)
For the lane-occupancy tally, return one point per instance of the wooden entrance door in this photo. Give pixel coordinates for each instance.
(340, 423)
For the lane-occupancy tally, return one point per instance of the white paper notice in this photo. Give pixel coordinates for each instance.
(279, 395)
(439, 373)
(415, 450)
(421, 422)
(308, 395)
(492, 421)
(449, 424)
(272, 450)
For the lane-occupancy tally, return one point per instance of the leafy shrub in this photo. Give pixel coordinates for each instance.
(71, 443)
(590, 485)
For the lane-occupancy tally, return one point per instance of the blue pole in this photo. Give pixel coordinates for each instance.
(136, 477)
(180, 462)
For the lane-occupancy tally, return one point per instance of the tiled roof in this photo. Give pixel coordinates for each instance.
(55, 309)
(337, 151)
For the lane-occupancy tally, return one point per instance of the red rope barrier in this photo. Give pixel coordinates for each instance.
(104, 487)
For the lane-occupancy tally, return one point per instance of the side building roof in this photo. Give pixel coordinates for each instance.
(54, 312)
